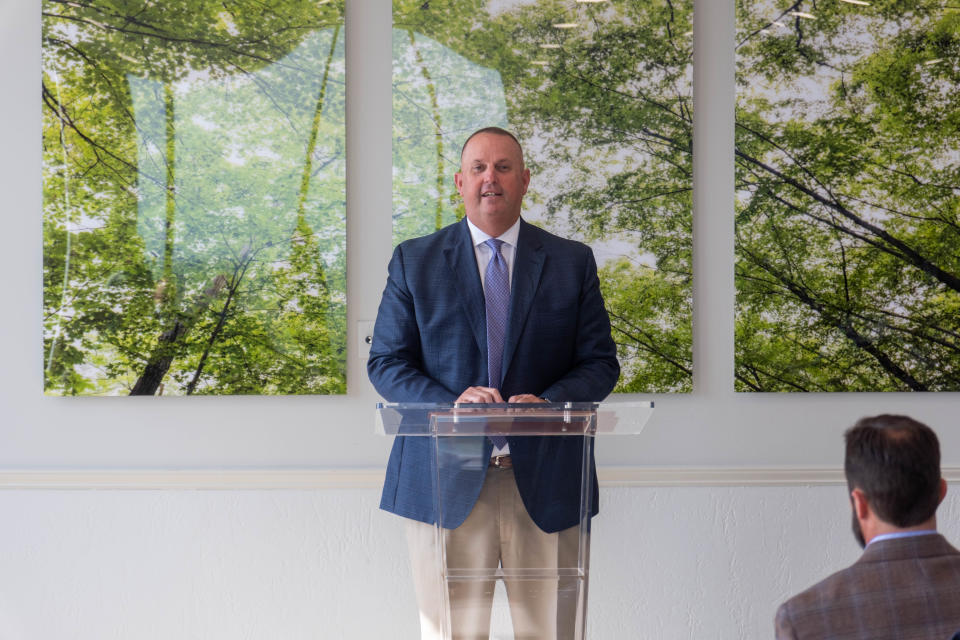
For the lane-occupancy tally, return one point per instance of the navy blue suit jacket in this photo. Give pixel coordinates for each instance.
(429, 345)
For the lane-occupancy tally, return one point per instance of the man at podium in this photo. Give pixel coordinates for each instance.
(492, 309)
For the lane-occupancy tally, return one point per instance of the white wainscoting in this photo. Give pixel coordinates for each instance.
(238, 479)
(268, 555)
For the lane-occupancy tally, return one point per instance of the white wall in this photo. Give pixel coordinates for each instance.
(321, 562)
(668, 563)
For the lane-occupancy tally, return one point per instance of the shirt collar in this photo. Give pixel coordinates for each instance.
(901, 534)
(510, 236)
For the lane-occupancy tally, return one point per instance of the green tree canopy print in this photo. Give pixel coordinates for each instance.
(600, 94)
(848, 195)
(194, 202)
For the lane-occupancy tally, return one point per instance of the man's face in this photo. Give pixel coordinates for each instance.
(492, 181)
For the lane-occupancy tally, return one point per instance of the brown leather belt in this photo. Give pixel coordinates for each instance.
(502, 462)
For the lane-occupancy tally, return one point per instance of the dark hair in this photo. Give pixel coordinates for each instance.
(497, 131)
(895, 461)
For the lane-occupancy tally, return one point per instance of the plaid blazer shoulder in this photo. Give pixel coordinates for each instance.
(903, 589)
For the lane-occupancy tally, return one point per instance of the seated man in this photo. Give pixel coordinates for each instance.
(907, 582)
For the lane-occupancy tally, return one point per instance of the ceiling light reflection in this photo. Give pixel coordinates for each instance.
(549, 45)
(801, 14)
(566, 25)
(859, 2)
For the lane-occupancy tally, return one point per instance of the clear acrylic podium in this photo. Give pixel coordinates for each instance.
(456, 440)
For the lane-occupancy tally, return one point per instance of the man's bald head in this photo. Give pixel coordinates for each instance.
(497, 131)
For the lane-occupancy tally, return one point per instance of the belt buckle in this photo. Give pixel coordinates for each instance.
(499, 460)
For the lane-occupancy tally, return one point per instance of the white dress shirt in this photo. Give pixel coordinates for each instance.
(484, 253)
(902, 534)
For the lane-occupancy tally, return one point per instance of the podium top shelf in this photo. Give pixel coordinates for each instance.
(514, 419)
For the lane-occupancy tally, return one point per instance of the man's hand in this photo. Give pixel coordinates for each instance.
(486, 395)
(489, 395)
(526, 398)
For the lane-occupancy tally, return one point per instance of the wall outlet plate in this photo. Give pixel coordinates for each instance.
(364, 338)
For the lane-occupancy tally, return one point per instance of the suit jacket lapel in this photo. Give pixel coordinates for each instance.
(527, 268)
(462, 261)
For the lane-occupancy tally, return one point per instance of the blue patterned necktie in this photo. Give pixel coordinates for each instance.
(496, 293)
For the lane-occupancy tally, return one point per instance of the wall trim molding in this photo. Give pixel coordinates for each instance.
(361, 478)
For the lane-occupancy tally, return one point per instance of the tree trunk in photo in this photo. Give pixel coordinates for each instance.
(162, 357)
(438, 134)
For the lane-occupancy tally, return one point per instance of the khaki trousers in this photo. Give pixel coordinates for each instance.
(498, 532)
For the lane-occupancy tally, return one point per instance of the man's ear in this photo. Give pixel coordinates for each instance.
(943, 490)
(458, 180)
(861, 507)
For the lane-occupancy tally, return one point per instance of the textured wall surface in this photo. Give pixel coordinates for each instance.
(668, 563)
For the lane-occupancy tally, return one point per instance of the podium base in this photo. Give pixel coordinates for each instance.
(499, 602)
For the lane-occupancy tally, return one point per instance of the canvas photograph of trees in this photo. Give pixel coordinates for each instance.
(193, 197)
(848, 195)
(600, 94)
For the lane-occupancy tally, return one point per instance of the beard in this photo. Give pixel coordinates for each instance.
(858, 532)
